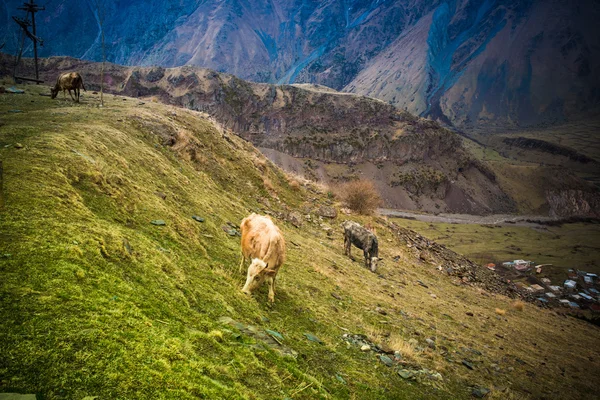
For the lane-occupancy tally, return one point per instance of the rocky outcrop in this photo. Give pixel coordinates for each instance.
(574, 203)
(547, 147)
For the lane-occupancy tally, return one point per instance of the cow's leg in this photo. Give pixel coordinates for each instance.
(72, 98)
(242, 263)
(348, 249)
(77, 93)
(271, 280)
(367, 259)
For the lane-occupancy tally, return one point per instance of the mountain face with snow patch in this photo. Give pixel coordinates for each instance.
(470, 63)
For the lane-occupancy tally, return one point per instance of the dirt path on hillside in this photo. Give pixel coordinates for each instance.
(530, 221)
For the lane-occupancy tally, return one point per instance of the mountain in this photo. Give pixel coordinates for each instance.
(475, 64)
(97, 301)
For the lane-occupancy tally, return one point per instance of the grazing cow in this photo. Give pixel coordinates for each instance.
(354, 234)
(68, 81)
(263, 243)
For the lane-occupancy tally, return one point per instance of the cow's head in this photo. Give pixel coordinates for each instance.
(53, 92)
(258, 271)
(374, 261)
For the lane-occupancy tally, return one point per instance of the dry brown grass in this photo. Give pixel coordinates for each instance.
(360, 196)
(260, 163)
(518, 305)
(268, 184)
(500, 311)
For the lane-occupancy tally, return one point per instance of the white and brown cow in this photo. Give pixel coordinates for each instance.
(68, 81)
(263, 243)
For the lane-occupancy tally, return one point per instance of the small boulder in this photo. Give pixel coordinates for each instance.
(480, 392)
(386, 360)
(327, 212)
(295, 218)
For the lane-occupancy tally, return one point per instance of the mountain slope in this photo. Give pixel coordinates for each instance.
(97, 301)
(471, 63)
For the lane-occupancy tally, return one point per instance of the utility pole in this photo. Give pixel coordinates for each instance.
(30, 8)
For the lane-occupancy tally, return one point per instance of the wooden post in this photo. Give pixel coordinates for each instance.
(35, 40)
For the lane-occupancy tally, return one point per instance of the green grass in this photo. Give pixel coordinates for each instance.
(96, 301)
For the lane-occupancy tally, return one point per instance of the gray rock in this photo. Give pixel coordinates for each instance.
(313, 338)
(197, 218)
(381, 311)
(430, 343)
(467, 364)
(480, 392)
(327, 212)
(295, 218)
(386, 360)
(158, 222)
(405, 373)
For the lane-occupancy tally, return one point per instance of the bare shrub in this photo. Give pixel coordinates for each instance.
(518, 305)
(360, 196)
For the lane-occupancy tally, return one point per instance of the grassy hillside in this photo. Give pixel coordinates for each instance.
(97, 301)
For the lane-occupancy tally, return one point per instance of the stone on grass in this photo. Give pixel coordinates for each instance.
(158, 222)
(386, 360)
(327, 212)
(365, 347)
(480, 392)
(274, 334)
(313, 338)
(197, 218)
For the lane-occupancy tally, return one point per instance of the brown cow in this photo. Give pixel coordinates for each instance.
(68, 81)
(262, 242)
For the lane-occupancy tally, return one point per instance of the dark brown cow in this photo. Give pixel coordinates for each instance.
(68, 81)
